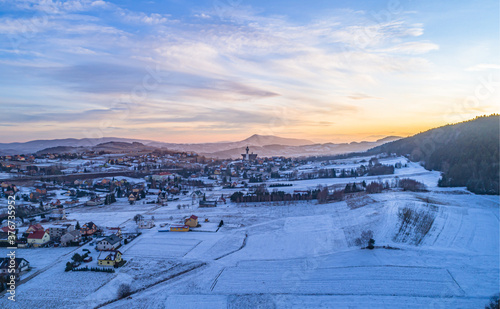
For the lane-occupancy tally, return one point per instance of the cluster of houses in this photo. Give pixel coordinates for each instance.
(63, 234)
(42, 164)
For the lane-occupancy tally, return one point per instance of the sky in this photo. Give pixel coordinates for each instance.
(222, 70)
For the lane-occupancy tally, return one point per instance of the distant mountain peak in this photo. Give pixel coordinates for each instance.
(263, 140)
(389, 138)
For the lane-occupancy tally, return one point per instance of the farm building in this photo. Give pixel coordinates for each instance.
(208, 203)
(179, 228)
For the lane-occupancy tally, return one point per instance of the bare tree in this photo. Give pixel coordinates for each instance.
(365, 238)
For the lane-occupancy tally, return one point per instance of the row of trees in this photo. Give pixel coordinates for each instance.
(322, 194)
(275, 196)
(109, 199)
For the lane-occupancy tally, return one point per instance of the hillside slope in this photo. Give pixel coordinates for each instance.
(466, 153)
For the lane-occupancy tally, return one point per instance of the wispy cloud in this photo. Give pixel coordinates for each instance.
(484, 67)
(250, 67)
(412, 48)
(361, 96)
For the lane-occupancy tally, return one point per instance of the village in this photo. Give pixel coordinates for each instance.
(43, 209)
(173, 214)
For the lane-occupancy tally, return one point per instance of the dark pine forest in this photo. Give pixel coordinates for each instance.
(466, 153)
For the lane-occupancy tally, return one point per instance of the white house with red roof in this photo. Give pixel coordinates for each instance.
(38, 238)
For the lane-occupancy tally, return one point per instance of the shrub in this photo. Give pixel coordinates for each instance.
(374, 187)
(77, 257)
(364, 240)
(123, 290)
(411, 185)
(494, 303)
(338, 195)
(371, 242)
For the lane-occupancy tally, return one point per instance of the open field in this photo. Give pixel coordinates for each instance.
(163, 247)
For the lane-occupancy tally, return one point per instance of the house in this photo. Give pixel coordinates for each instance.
(191, 221)
(71, 237)
(34, 228)
(88, 229)
(164, 176)
(108, 243)
(38, 238)
(96, 201)
(7, 229)
(108, 231)
(197, 194)
(144, 223)
(132, 197)
(163, 198)
(207, 203)
(154, 191)
(56, 231)
(179, 228)
(55, 203)
(20, 265)
(109, 258)
(72, 202)
(58, 214)
(38, 194)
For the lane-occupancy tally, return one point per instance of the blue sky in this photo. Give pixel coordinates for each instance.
(198, 71)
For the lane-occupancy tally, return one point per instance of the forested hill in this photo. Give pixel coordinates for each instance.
(466, 153)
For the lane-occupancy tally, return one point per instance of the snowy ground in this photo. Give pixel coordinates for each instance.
(300, 255)
(5, 175)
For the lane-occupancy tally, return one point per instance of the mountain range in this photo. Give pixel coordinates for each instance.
(264, 145)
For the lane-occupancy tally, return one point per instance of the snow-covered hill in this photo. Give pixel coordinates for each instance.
(437, 249)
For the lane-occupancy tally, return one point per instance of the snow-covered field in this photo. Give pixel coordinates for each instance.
(301, 255)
